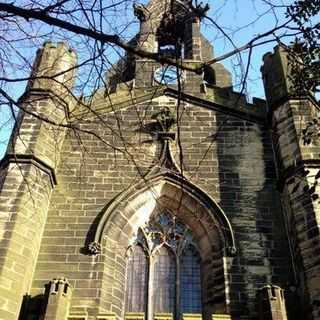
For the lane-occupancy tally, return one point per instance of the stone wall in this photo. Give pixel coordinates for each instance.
(28, 177)
(28, 172)
(298, 162)
(230, 159)
(299, 167)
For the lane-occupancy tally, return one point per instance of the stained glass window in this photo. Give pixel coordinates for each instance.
(137, 271)
(172, 251)
(190, 285)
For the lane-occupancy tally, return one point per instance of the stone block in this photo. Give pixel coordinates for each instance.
(191, 316)
(106, 316)
(221, 317)
(78, 313)
(134, 316)
(163, 316)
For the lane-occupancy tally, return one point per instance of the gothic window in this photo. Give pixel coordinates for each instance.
(163, 265)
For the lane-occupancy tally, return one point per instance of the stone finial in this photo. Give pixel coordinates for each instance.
(59, 286)
(58, 294)
(272, 303)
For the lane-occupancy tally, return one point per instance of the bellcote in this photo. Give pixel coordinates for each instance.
(170, 28)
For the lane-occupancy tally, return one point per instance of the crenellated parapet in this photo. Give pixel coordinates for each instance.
(276, 76)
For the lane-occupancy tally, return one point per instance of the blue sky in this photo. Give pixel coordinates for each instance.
(241, 20)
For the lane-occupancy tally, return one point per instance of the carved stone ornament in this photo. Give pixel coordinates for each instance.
(165, 119)
(94, 248)
(232, 251)
(164, 122)
(164, 229)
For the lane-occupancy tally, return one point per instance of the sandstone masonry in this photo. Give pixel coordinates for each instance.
(72, 200)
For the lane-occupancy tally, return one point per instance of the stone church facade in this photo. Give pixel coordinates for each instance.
(163, 197)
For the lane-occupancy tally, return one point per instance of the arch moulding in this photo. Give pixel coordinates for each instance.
(166, 190)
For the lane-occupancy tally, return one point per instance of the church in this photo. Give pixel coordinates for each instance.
(166, 195)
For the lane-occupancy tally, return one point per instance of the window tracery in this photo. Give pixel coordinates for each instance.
(163, 269)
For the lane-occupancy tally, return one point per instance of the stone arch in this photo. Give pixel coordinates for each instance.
(211, 230)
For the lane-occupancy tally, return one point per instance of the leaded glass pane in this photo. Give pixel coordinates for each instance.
(190, 286)
(164, 281)
(137, 273)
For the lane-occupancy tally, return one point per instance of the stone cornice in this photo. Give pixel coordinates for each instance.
(29, 159)
(118, 101)
(290, 98)
(242, 113)
(292, 171)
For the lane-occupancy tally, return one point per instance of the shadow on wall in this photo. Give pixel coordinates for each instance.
(33, 308)
(251, 202)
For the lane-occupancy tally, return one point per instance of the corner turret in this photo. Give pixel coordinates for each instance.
(277, 76)
(298, 163)
(53, 69)
(29, 169)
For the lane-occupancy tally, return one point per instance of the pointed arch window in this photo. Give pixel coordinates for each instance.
(163, 269)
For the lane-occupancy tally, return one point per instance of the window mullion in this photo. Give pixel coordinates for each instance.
(177, 306)
(150, 295)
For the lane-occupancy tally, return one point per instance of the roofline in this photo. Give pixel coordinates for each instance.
(244, 114)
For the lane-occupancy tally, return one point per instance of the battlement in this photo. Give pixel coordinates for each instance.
(54, 69)
(276, 75)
